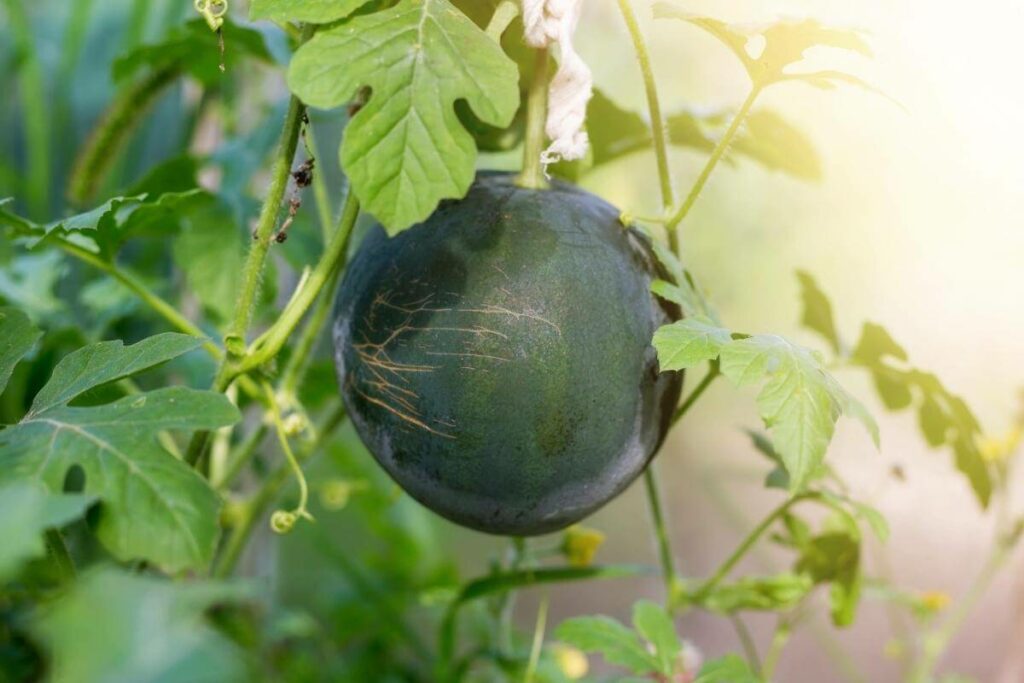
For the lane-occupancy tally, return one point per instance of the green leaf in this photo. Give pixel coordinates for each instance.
(114, 221)
(799, 403)
(689, 342)
(406, 150)
(115, 626)
(17, 337)
(785, 42)
(210, 251)
(727, 669)
(153, 506)
(817, 313)
(29, 282)
(876, 344)
(26, 511)
(686, 294)
(653, 623)
(194, 49)
(311, 11)
(777, 144)
(616, 643)
(834, 557)
(774, 593)
(934, 423)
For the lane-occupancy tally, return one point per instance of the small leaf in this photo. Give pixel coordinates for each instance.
(800, 402)
(311, 11)
(153, 506)
(406, 150)
(785, 42)
(115, 626)
(934, 423)
(727, 669)
(17, 337)
(616, 643)
(26, 511)
(689, 342)
(653, 623)
(892, 387)
(772, 593)
(211, 252)
(817, 313)
(876, 344)
(834, 557)
(114, 221)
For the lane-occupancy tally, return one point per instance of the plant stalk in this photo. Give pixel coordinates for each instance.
(660, 133)
(665, 555)
(713, 372)
(716, 155)
(532, 175)
(504, 14)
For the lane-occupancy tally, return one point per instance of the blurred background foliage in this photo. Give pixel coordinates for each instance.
(906, 215)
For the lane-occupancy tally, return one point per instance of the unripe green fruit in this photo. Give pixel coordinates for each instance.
(497, 360)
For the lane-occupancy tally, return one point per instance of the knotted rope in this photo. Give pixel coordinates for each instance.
(548, 22)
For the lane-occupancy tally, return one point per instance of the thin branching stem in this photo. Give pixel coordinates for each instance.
(532, 175)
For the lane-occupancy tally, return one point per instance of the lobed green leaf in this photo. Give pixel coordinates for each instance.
(17, 337)
(26, 511)
(406, 149)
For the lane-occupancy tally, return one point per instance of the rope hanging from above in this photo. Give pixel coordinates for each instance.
(548, 22)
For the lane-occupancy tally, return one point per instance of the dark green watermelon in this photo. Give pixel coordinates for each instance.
(497, 360)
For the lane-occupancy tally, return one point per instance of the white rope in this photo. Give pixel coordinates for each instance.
(554, 21)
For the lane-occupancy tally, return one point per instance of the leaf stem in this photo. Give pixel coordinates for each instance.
(504, 14)
(665, 555)
(779, 640)
(668, 197)
(723, 570)
(746, 641)
(150, 298)
(716, 155)
(252, 272)
(58, 551)
(538, 640)
(713, 372)
(532, 175)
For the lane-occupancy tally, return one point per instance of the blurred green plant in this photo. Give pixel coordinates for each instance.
(133, 503)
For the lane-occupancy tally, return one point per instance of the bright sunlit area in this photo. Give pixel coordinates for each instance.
(531, 341)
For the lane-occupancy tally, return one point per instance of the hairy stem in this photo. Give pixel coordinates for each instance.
(112, 132)
(35, 114)
(672, 224)
(327, 269)
(322, 197)
(252, 272)
(668, 197)
(532, 175)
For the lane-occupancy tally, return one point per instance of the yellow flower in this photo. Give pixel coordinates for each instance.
(580, 544)
(572, 662)
(998, 449)
(934, 601)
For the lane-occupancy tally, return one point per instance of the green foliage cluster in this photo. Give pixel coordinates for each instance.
(134, 477)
